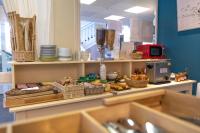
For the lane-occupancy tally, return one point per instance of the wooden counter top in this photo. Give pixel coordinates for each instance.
(102, 96)
(60, 102)
(153, 86)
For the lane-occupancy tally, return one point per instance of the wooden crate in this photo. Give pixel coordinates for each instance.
(168, 102)
(75, 122)
(16, 101)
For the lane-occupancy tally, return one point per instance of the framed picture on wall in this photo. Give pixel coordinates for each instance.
(188, 14)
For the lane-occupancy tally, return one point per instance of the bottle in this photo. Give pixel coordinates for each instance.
(102, 71)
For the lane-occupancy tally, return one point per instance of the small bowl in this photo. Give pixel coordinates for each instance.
(112, 76)
(85, 56)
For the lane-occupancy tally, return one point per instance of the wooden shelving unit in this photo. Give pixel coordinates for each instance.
(52, 71)
(23, 72)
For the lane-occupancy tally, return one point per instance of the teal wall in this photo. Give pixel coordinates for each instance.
(182, 47)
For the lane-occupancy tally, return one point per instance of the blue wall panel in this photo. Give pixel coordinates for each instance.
(182, 47)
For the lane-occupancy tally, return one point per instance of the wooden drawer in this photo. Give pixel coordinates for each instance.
(179, 106)
(174, 104)
(3, 129)
(142, 114)
(65, 123)
(142, 107)
(91, 120)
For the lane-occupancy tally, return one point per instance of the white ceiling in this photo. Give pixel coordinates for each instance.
(103, 8)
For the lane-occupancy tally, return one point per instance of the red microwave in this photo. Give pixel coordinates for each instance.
(151, 51)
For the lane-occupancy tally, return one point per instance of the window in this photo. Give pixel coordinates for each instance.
(5, 46)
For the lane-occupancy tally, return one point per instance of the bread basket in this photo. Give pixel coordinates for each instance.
(137, 83)
(137, 55)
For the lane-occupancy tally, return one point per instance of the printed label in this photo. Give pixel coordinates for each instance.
(163, 70)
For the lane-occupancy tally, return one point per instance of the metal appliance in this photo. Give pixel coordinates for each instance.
(158, 72)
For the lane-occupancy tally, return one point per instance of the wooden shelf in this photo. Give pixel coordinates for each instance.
(85, 62)
(26, 72)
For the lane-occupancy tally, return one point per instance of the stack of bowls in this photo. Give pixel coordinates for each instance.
(64, 54)
(48, 53)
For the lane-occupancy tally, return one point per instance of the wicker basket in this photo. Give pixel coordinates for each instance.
(137, 83)
(137, 55)
(23, 37)
(23, 56)
(71, 91)
(94, 90)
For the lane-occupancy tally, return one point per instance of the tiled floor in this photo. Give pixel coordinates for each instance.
(5, 115)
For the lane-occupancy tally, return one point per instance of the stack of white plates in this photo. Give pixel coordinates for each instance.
(64, 54)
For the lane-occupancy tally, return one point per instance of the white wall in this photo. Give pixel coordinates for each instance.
(67, 24)
(57, 20)
(141, 30)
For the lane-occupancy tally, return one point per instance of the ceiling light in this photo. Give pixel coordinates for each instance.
(114, 17)
(136, 9)
(87, 2)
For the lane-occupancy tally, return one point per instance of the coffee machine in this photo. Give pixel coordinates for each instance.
(105, 39)
(100, 40)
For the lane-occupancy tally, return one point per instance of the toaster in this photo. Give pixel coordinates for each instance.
(158, 72)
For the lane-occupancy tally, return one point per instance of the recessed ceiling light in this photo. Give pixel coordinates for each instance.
(114, 17)
(87, 2)
(137, 9)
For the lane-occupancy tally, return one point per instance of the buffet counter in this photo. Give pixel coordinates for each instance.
(56, 107)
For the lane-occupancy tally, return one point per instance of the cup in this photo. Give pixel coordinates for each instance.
(85, 56)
